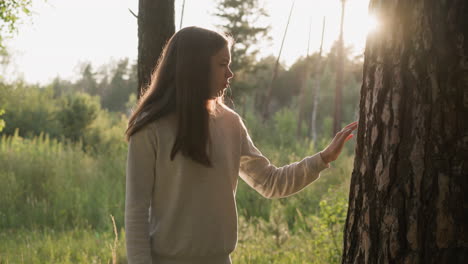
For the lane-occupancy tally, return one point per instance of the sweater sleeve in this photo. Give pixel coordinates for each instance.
(141, 160)
(270, 181)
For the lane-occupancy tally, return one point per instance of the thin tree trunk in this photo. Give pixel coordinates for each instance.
(305, 80)
(314, 110)
(182, 15)
(266, 105)
(339, 76)
(300, 115)
(408, 199)
(155, 26)
(316, 93)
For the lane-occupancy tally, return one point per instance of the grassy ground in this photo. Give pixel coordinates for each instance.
(56, 201)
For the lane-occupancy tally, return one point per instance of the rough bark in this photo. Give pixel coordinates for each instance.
(408, 198)
(155, 26)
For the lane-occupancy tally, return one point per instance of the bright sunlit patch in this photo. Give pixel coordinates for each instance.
(63, 45)
(372, 23)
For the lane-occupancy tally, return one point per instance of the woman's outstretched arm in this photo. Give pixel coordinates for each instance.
(272, 182)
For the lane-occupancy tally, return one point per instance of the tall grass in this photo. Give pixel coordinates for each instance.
(46, 183)
(56, 199)
(75, 245)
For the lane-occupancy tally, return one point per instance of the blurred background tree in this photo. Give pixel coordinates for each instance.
(76, 115)
(241, 19)
(11, 13)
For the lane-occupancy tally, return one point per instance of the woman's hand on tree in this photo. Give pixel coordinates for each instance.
(333, 150)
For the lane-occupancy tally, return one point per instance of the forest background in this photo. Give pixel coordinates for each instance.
(63, 153)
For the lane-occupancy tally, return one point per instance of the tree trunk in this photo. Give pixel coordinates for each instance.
(316, 95)
(339, 76)
(408, 198)
(305, 80)
(300, 115)
(266, 103)
(316, 91)
(155, 26)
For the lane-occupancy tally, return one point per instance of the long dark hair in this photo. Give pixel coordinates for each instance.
(180, 83)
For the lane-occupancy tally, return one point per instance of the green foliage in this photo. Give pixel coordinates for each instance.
(76, 245)
(314, 238)
(131, 103)
(286, 88)
(10, 14)
(88, 82)
(46, 183)
(29, 109)
(76, 115)
(113, 84)
(254, 85)
(2, 122)
(123, 83)
(240, 18)
(106, 134)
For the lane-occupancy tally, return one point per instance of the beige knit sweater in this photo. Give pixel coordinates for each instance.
(180, 212)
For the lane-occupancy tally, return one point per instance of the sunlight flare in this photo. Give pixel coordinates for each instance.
(372, 24)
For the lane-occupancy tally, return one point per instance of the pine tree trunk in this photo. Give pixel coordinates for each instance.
(300, 115)
(316, 95)
(155, 26)
(408, 198)
(339, 77)
(316, 90)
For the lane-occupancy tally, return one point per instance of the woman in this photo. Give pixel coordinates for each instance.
(186, 151)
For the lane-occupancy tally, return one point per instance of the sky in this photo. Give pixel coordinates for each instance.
(63, 34)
